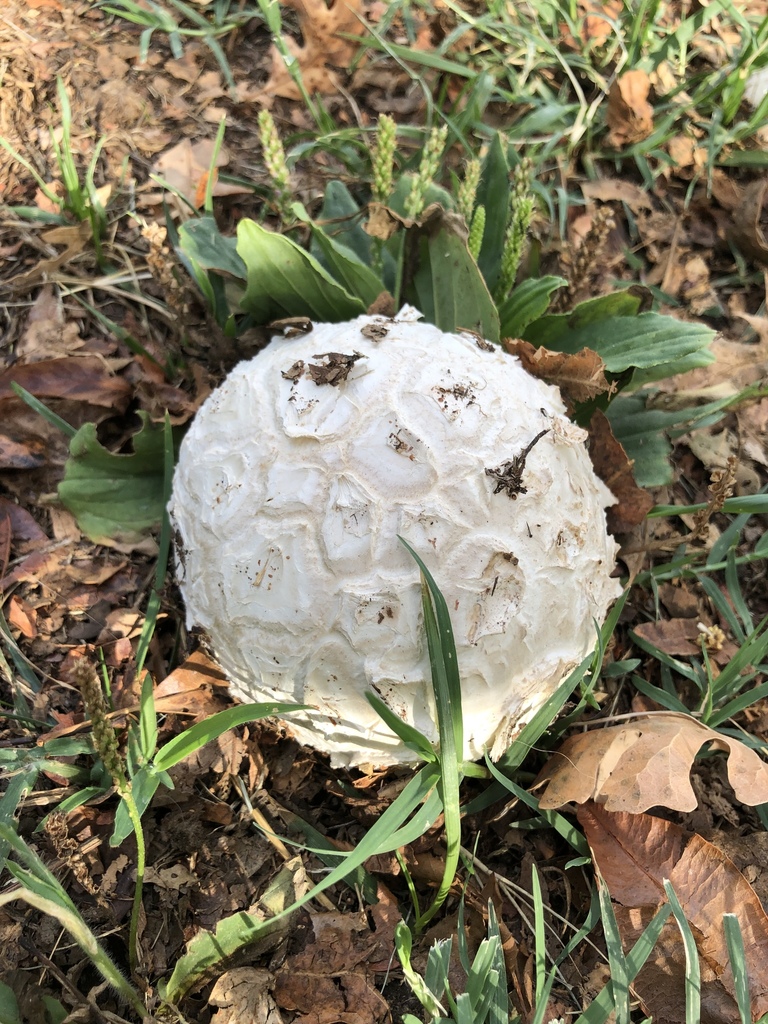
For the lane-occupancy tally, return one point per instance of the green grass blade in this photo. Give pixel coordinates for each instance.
(692, 968)
(203, 732)
(735, 942)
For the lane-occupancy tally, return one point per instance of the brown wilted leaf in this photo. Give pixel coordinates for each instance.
(47, 334)
(74, 238)
(81, 378)
(22, 616)
(635, 853)
(683, 637)
(749, 232)
(606, 190)
(646, 763)
(597, 23)
(629, 115)
(186, 167)
(243, 994)
(579, 375)
(611, 464)
(189, 688)
(21, 454)
(322, 27)
(382, 222)
(327, 980)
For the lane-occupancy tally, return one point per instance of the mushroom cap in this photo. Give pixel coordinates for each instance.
(296, 478)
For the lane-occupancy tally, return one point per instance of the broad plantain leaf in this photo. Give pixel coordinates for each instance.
(493, 194)
(623, 341)
(644, 432)
(447, 286)
(339, 218)
(343, 264)
(115, 497)
(284, 280)
(434, 194)
(529, 301)
(202, 241)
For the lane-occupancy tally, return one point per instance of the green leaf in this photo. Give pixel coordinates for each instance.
(434, 194)
(417, 802)
(623, 341)
(493, 194)
(9, 1008)
(641, 432)
(115, 497)
(342, 262)
(144, 785)
(201, 240)
(529, 301)
(447, 285)
(340, 207)
(411, 737)
(284, 280)
(693, 361)
(210, 728)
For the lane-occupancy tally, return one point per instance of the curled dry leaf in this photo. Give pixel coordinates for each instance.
(629, 114)
(750, 222)
(646, 763)
(635, 853)
(614, 468)
(186, 168)
(79, 378)
(323, 27)
(684, 637)
(579, 375)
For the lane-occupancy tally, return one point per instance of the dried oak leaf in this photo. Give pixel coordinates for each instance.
(749, 232)
(633, 503)
(634, 854)
(322, 26)
(683, 637)
(629, 114)
(81, 378)
(243, 994)
(645, 763)
(579, 375)
(334, 368)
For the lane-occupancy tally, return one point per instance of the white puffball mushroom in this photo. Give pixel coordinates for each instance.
(293, 483)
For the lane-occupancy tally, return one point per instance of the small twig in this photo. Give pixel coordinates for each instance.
(509, 475)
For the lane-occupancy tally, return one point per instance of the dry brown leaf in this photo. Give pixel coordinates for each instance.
(327, 981)
(6, 533)
(74, 238)
(646, 763)
(26, 528)
(382, 222)
(629, 115)
(21, 454)
(635, 853)
(243, 994)
(82, 378)
(749, 232)
(678, 637)
(187, 165)
(47, 334)
(615, 470)
(580, 375)
(598, 21)
(22, 616)
(322, 27)
(190, 687)
(606, 190)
